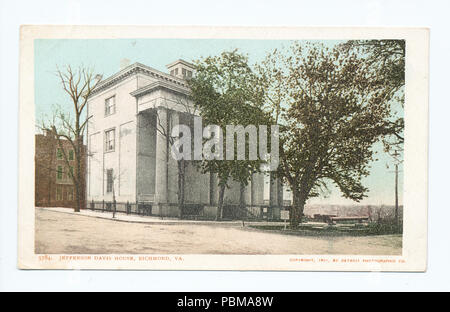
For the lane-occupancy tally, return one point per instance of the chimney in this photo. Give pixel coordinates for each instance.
(49, 133)
(124, 63)
(97, 78)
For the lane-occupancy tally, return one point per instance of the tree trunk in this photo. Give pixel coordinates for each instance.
(220, 202)
(77, 180)
(78, 198)
(75, 176)
(242, 201)
(298, 206)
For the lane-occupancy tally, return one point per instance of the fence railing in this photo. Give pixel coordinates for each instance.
(189, 211)
(123, 207)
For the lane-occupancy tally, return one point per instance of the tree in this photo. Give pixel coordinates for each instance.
(165, 128)
(385, 59)
(225, 92)
(78, 85)
(331, 111)
(112, 178)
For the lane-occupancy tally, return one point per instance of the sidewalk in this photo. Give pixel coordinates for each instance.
(132, 218)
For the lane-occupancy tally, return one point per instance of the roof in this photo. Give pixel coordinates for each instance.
(134, 69)
(160, 85)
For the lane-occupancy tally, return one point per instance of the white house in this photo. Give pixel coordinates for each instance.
(127, 156)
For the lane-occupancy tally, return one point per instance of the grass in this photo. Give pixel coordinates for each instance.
(344, 229)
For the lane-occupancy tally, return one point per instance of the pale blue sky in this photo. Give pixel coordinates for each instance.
(104, 55)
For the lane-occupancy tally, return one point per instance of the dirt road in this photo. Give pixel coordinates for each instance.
(72, 234)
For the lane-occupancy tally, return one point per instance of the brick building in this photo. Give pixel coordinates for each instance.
(53, 184)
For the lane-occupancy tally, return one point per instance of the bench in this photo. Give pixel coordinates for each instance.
(323, 217)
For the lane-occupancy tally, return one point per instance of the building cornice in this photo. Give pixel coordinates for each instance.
(134, 69)
(160, 85)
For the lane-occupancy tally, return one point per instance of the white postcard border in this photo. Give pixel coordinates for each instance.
(415, 196)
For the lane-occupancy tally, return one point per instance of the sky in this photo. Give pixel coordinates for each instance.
(104, 56)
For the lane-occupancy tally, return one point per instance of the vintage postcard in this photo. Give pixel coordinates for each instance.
(223, 148)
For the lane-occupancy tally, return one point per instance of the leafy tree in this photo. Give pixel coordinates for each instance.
(385, 60)
(223, 89)
(331, 110)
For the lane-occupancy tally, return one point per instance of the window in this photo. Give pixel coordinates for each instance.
(70, 154)
(189, 74)
(110, 140)
(59, 193)
(59, 173)
(176, 71)
(109, 180)
(70, 193)
(110, 106)
(59, 153)
(70, 172)
(184, 72)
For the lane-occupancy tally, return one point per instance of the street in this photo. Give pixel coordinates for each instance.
(63, 233)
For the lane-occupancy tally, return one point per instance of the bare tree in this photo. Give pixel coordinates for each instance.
(78, 85)
(164, 128)
(114, 178)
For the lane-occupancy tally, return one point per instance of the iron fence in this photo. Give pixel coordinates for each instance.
(139, 208)
(189, 211)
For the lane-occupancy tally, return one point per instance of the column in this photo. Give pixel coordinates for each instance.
(258, 188)
(273, 191)
(248, 193)
(173, 165)
(161, 156)
(280, 194)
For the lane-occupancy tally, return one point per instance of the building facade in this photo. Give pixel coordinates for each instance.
(129, 156)
(53, 184)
